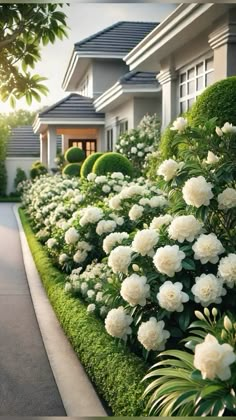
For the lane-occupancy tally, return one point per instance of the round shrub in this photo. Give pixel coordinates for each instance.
(112, 162)
(218, 100)
(72, 169)
(20, 177)
(87, 166)
(37, 170)
(74, 155)
(36, 163)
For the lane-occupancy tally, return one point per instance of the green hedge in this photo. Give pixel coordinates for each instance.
(72, 169)
(74, 155)
(115, 371)
(112, 162)
(87, 166)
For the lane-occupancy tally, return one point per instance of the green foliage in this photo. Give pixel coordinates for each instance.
(72, 169)
(20, 177)
(37, 169)
(112, 162)
(115, 372)
(218, 100)
(24, 27)
(74, 155)
(18, 118)
(4, 134)
(87, 166)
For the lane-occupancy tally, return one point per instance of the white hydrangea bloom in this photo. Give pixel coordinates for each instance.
(158, 222)
(133, 150)
(117, 323)
(106, 189)
(67, 287)
(168, 260)
(105, 226)
(102, 179)
(144, 201)
(51, 243)
(71, 236)
(213, 359)
(91, 215)
(84, 287)
(63, 258)
(227, 270)
(168, 169)
(228, 128)
(135, 290)
(208, 289)
(197, 192)
(111, 240)
(211, 158)
(80, 256)
(91, 177)
(179, 124)
(78, 199)
(90, 294)
(227, 199)
(207, 248)
(158, 201)
(99, 297)
(219, 132)
(91, 308)
(151, 334)
(115, 202)
(117, 175)
(184, 228)
(144, 241)
(171, 297)
(120, 259)
(136, 212)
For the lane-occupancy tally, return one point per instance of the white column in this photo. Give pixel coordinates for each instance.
(223, 42)
(167, 79)
(43, 149)
(52, 147)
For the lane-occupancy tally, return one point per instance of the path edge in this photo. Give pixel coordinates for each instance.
(76, 390)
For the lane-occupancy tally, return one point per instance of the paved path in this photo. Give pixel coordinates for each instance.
(27, 385)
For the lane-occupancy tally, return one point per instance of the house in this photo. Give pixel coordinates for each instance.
(106, 99)
(192, 48)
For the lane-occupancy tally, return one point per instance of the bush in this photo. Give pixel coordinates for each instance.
(37, 169)
(74, 155)
(87, 166)
(20, 177)
(113, 369)
(112, 162)
(218, 100)
(72, 169)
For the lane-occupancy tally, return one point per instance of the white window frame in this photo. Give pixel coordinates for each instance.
(193, 96)
(110, 139)
(123, 126)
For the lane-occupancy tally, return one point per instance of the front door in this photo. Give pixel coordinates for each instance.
(88, 146)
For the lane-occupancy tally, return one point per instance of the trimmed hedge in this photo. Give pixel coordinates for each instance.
(87, 166)
(115, 371)
(74, 155)
(112, 162)
(72, 169)
(37, 169)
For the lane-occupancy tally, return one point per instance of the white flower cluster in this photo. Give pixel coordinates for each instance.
(113, 239)
(168, 169)
(120, 259)
(71, 236)
(117, 323)
(227, 199)
(171, 297)
(91, 215)
(197, 192)
(145, 241)
(105, 226)
(227, 270)
(158, 222)
(135, 290)
(152, 336)
(168, 260)
(184, 228)
(208, 289)
(207, 248)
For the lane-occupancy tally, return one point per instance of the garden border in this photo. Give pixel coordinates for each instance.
(70, 377)
(97, 351)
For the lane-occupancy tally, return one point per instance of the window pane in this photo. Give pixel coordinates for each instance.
(191, 73)
(183, 106)
(182, 77)
(209, 78)
(209, 64)
(200, 83)
(200, 68)
(191, 87)
(183, 90)
(190, 102)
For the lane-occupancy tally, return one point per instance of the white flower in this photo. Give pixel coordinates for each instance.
(133, 150)
(117, 323)
(120, 259)
(135, 290)
(208, 289)
(144, 241)
(228, 128)
(136, 212)
(80, 256)
(197, 192)
(211, 158)
(68, 287)
(168, 260)
(168, 169)
(207, 248)
(63, 258)
(151, 334)
(106, 189)
(101, 179)
(78, 199)
(227, 199)
(111, 240)
(115, 202)
(219, 132)
(213, 359)
(90, 293)
(179, 124)
(184, 228)
(99, 297)
(171, 297)
(144, 201)
(158, 201)
(140, 145)
(117, 175)
(158, 222)
(227, 270)
(71, 236)
(91, 176)
(51, 243)
(105, 226)
(140, 154)
(84, 287)
(91, 307)
(91, 215)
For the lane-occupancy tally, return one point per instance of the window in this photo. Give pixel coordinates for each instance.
(122, 127)
(84, 87)
(193, 81)
(110, 140)
(88, 146)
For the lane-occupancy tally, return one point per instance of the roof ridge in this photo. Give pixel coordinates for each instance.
(51, 107)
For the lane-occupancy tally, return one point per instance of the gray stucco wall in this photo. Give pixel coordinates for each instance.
(106, 73)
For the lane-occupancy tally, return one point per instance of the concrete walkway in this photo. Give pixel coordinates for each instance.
(27, 385)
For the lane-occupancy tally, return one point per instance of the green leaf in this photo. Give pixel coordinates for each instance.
(210, 390)
(196, 375)
(189, 264)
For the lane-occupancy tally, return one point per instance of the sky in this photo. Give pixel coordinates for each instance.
(84, 20)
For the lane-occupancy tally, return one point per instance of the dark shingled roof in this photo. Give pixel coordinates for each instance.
(23, 142)
(139, 78)
(73, 106)
(119, 38)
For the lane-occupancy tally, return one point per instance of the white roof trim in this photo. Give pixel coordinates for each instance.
(69, 121)
(179, 19)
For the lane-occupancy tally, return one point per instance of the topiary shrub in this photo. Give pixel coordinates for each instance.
(72, 169)
(36, 163)
(112, 162)
(20, 177)
(37, 169)
(87, 166)
(74, 155)
(218, 100)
